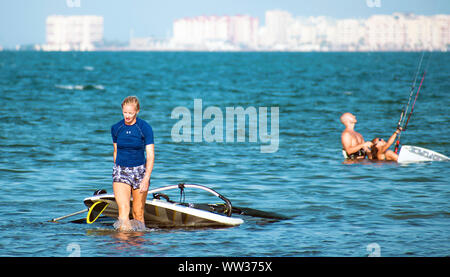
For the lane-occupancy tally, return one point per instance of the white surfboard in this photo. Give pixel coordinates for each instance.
(171, 214)
(164, 214)
(411, 154)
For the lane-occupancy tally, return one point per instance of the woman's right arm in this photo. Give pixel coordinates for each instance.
(115, 152)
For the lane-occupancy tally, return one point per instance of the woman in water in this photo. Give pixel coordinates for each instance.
(133, 162)
(380, 148)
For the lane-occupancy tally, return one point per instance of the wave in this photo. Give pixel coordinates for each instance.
(81, 87)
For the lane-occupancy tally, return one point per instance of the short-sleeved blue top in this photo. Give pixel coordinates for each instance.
(131, 141)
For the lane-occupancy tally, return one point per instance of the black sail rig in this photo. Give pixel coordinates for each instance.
(221, 208)
(225, 209)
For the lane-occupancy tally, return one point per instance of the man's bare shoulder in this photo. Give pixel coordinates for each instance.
(347, 133)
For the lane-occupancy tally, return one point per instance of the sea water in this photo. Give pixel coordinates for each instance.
(56, 149)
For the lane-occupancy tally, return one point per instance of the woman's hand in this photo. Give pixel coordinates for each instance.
(145, 183)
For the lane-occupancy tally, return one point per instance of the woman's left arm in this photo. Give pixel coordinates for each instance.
(150, 151)
(391, 140)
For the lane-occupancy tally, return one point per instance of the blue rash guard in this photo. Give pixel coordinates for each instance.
(131, 141)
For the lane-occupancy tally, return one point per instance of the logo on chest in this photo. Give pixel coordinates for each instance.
(128, 132)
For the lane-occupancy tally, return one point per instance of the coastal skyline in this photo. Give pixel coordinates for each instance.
(282, 32)
(23, 22)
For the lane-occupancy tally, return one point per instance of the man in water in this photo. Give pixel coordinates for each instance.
(352, 141)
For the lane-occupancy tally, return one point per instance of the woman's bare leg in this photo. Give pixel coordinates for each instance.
(122, 193)
(139, 204)
(391, 155)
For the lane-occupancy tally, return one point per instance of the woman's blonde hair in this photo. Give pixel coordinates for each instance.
(131, 100)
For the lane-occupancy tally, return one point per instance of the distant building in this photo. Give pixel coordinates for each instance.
(243, 31)
(396, 32)
(215, 32)
(277, 25)
(147, 44)
(73, 33)
(283, 32)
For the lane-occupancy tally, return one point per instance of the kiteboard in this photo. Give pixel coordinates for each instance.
(411, 154)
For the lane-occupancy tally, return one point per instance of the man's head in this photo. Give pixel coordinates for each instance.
(348, 119)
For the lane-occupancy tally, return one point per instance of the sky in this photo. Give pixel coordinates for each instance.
(23, 21)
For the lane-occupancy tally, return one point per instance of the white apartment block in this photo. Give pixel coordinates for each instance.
(396, 32)
(217, 32)
(277, 25)
(283, 32)
(73, 33)
(404, 32)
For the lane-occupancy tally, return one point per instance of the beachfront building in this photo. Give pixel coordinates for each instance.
(284, 32)
(215, 32)
(383, 33)
(276, 31)
(73, 33)
(349, 35)
(396, 32)
(408, 32)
